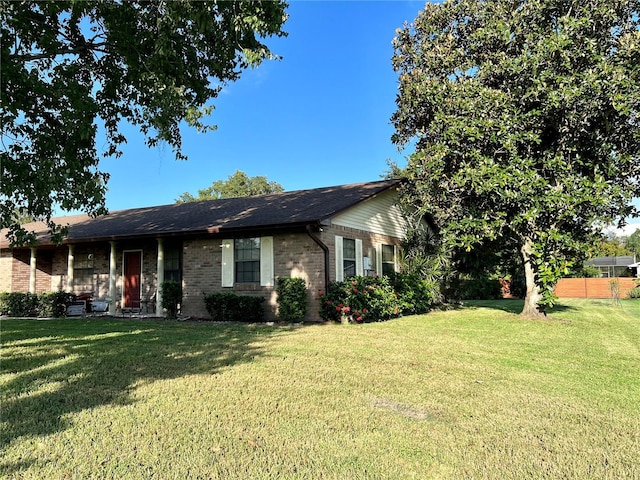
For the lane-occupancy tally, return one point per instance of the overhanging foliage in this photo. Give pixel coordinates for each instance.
(526, 121)
(69, 66)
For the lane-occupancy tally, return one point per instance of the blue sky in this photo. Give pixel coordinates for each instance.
(318, 117)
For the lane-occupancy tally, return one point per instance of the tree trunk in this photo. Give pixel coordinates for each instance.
(530, 309)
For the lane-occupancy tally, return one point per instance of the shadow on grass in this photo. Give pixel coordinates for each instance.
(57, 367)
(509, 305)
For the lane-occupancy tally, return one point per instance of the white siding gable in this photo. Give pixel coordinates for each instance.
(378, 215)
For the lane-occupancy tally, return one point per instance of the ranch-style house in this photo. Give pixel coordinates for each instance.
(239, 245)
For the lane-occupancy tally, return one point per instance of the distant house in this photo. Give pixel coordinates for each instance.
(240, 245)
(621, 266)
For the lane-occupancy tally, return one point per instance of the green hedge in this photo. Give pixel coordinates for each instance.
(18, 304)
(292, 299)
(373, 299)
(229, 307)
(171, 297)
(54, 304)
(475, 289)
(415, 294)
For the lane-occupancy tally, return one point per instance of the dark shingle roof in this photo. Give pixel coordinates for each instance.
(288, 209)
(620, 261)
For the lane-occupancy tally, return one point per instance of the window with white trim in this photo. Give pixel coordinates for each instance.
(388, 259)
(83, 271)
(247, 260)
(349, 260)
(348, 257)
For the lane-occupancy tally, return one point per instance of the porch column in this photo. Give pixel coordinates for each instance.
(112, 279)
(32, 271)
(160, 276)
(70, 261)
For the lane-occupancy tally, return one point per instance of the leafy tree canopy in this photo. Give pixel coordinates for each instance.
(526, 120)
(68, 66)
(632, 243)
(610, 247)
(237, 185)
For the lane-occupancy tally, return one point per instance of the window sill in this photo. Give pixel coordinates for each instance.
(247, 287)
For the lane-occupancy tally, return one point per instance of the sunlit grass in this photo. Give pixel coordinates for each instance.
(475, 392)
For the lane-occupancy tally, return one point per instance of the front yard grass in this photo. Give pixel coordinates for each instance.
(475, 392)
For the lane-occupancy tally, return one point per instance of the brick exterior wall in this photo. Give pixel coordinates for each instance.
(44, 265)
(201, 273)
(6, 270)
(20, 271)
(15, 270)
(298, 256)
(59, 269)
(295, 255)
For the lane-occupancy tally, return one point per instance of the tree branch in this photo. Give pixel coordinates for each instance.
(68, 51)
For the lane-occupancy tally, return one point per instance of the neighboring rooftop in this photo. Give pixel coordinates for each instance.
(621, 261)
(613, 266)
(287, 209)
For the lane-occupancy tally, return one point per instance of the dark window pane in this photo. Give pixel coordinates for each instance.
(349, 257)
(349, 249)
(349, 268)
(388, 269)
(247, 256)
(173, 263)
(388, 260)
(83, 271)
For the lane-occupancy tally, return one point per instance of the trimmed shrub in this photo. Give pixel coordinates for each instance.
(229, 307)
(360, 299)
(332, 301)
(415, 294)
(3, 303)
(292, 298)
(54, 304)
(373, 299)
(18, 304)
(634, 292)
(171, 297)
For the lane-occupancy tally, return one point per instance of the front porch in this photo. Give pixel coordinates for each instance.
(123, 277)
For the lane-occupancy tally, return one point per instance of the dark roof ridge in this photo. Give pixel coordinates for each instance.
(391, 182)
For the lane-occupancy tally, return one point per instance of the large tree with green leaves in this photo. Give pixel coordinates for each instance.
(70, 66)
(237, 185)
(632, 243)
(525, 117)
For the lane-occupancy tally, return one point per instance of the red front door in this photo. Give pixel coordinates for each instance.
(132, 272)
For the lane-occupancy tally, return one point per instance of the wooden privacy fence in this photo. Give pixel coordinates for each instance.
(591, 287)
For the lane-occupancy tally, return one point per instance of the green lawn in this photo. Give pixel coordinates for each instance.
(475, 392)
